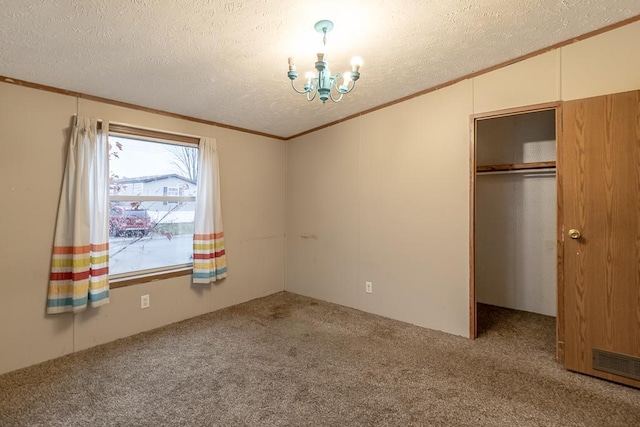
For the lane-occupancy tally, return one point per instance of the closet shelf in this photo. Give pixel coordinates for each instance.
(523, 167)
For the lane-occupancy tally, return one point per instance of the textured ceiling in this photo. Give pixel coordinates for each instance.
(226, 61)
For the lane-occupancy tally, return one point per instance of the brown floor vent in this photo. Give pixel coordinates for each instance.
(616, 363)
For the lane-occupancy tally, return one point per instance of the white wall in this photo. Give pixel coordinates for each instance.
(34, 132)
(384, 197)
(379, 199)
(516, 242)
(608, 63)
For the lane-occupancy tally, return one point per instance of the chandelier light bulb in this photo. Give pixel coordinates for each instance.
(309, 75)
(292, 65)
(346, 79)
(356, 63)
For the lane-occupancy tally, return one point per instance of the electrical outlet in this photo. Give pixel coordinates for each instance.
(368, 287)
(145, 302)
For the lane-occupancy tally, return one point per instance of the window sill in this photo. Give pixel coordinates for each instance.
(145, 278)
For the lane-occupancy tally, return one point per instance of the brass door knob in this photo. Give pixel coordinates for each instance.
(574, 234)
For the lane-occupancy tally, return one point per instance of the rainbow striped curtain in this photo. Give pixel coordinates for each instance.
(209, 259)
(80, 262)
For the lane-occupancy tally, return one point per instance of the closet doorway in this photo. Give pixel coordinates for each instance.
(514, 211)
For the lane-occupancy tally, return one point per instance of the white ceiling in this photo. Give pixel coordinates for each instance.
(226, 61)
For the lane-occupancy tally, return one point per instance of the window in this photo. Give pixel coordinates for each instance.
(152, 189)
(173, 191)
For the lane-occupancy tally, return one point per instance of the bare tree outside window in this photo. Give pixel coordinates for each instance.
(185, 160)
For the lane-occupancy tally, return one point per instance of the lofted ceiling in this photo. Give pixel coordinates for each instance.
(226, 61)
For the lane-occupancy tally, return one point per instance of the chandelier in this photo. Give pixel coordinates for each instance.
(324, 83)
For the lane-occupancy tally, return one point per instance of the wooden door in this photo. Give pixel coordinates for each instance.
(600, 149)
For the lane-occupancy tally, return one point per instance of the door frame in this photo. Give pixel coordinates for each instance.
(473, 120)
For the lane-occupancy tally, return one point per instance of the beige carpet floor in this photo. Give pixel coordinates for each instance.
(287, 360)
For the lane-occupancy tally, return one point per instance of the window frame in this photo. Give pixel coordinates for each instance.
(151, 135)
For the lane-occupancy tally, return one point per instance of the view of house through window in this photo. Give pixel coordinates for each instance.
(152, 189)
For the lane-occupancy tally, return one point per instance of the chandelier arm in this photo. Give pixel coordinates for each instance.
(350, 86)
(311, 98)
(353, 84)
(331, 95)
(298, 91)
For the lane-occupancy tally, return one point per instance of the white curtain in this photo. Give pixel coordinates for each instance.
(80, 261)
(209, 259)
